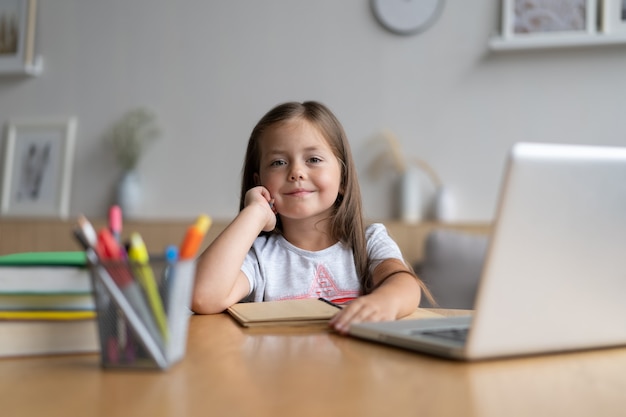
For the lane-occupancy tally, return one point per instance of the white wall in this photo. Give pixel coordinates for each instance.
(211, 69)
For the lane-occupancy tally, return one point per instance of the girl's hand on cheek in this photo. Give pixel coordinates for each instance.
(261, 197)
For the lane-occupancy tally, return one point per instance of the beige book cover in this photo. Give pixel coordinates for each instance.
(284, 312)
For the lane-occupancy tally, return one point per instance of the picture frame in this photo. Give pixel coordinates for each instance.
(18, 20)
(613, 18)
(37, 171)
(548, 18)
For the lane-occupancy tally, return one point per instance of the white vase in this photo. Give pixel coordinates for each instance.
(129, 193)
(411, 202)
(445, 207)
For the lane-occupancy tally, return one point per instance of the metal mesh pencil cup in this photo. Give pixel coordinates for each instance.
(143, 312)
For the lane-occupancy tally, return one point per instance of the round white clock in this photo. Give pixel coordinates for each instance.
(406, 17)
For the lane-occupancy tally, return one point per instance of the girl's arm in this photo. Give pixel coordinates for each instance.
(219, 281)
(397, 293)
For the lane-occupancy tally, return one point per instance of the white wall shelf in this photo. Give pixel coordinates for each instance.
(499, 43)
(32, 70)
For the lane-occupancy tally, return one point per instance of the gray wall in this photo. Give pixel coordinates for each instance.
(211, 69)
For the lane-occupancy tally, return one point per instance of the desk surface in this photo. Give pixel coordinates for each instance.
(231, 371)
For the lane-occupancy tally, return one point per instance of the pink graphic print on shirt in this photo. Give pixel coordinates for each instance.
(324, 286)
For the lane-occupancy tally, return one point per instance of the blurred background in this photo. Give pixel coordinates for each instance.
(209, 70)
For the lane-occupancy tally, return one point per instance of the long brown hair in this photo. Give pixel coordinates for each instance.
(346, 224)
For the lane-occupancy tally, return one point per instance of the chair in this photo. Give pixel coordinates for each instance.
(451, 267)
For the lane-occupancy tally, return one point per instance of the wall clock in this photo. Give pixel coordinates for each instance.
(406, 17)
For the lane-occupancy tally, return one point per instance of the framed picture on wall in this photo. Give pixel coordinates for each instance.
(548, 18)
(38, 161)
(17, 34)
(613, 16)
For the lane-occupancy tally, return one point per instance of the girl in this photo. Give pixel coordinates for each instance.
(300, 233)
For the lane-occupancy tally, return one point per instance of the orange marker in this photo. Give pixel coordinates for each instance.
(194, 237)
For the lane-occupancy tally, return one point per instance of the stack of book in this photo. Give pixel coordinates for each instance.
(46, 304)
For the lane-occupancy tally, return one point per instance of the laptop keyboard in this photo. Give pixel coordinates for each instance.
(456, 334)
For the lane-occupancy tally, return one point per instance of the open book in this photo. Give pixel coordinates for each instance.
(284, 313)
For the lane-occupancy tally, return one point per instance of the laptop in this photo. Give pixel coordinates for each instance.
(554, 277)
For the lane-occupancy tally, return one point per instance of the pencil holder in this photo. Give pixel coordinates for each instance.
(143, 312)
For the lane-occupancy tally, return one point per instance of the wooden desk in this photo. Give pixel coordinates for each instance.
(231, 371)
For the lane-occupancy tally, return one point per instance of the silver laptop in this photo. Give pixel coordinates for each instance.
(554, 277)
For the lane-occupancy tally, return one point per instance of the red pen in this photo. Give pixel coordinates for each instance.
(194, 236)
(109, 247)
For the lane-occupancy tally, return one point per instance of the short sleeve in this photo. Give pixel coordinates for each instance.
(252, 269)
(380, 246)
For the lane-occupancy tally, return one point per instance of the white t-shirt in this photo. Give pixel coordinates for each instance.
(278, 270)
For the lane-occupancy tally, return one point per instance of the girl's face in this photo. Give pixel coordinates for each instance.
(299, 169)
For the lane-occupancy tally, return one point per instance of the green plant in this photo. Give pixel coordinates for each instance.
(131, 135)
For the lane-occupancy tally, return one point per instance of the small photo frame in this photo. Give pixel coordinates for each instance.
(17, 34)
(548, 18)
(38, 161)
(613, 16)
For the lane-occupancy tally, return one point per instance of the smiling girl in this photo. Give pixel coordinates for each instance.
(300, 231)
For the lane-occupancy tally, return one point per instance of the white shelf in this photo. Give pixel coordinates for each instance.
(499, 43)
(33, 70)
